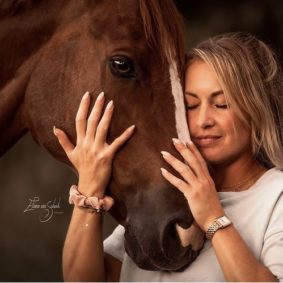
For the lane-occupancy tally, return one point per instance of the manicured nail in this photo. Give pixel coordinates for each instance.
(165, 153)
(86, 95)
(109, 105)
(131, 128)
(190, 142)
(176, 141)
(54, 130)
(100, 96)
(163, 171)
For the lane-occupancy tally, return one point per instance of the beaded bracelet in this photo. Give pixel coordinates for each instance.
(93, 204)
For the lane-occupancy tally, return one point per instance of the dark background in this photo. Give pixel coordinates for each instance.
(31, 250)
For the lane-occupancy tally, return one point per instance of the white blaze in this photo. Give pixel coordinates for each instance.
(180, 111)
(193, 235)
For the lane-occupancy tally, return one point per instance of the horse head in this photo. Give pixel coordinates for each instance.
(133, 51)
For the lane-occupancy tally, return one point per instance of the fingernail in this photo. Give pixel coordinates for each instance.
(165, 153)
(189, 143)
(54, 130)
(100, 96)
(176, 141)
(163, 170)
(131, 128)
(86, 95)
(109, 105)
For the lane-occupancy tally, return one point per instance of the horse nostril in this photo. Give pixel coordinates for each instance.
(179, 234)
(191, 236)
(170, 242)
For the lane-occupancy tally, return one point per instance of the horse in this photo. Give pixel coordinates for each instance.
(53, 51)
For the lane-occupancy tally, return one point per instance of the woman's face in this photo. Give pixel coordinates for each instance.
(220, 135)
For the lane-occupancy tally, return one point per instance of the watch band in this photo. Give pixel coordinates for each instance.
(218, 223)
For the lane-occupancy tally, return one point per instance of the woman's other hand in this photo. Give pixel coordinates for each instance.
(197, 184)
(92, 156)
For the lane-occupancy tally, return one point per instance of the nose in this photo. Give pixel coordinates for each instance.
(205, 117)
(151, 236)
(158, 248)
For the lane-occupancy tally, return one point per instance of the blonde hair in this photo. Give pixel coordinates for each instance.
(251, 78)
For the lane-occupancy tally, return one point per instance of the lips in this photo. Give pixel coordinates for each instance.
(206, 140)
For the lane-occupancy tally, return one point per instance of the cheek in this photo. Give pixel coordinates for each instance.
(244, 137)
(240, 134)
(229, 126)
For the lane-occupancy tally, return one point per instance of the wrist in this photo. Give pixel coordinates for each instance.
(92, 203)
(217, 224)
(216, 213)
(90, 189)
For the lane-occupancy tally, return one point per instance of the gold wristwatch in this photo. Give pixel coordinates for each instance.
(218, 223)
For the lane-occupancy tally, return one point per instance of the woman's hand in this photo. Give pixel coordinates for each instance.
(197, 186)
(92, 156)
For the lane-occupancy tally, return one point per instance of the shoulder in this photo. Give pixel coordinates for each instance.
(271, 190)
(268, 190)
(273, 173)
(272, 249)
(271, 182)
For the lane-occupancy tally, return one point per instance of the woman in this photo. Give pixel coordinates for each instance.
(232, 169)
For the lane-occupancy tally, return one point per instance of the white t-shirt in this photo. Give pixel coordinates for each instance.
(256, 213)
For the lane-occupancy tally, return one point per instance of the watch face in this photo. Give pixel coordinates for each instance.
(224, 221)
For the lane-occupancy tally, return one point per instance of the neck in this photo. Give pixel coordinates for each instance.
(226, 176)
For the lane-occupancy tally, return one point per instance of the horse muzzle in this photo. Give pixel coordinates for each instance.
(167, 247)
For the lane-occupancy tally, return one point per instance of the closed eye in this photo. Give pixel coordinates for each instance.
(221, 106)
(191, 107)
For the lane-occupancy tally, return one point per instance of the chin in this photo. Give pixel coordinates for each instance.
(215, 159)
(211, 156)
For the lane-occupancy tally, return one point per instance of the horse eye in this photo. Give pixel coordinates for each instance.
(122, 67)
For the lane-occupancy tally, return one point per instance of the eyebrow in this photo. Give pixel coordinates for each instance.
(213, 94)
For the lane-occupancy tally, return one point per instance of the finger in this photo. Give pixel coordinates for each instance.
(190, 158)
(95, 115)
(64, 141)
(118, 142)
(198, 155)
(176, 182)
(103, 126)
(180, 167)
(81, 117)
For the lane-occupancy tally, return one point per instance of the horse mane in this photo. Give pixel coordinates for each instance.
(163, 26)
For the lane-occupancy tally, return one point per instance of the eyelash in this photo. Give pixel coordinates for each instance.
(224, 106)
(191, 107)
